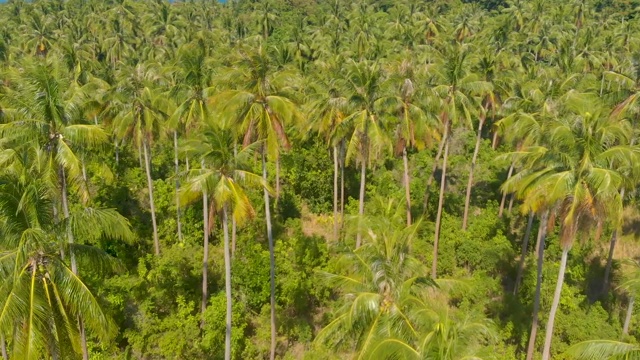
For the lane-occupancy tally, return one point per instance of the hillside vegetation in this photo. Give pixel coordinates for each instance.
(302, 179)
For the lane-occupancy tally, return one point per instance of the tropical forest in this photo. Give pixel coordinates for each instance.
(319, 179)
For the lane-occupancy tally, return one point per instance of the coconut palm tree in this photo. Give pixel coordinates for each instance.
(576, 170)
(366, 128)
(443, 334)
(46, 305)
(137, 108)
(456, 85)
(379, 280)
(222, 179)
(415, 128)
(603, 350)
(192, 88)
(258, 108)
(326, 112)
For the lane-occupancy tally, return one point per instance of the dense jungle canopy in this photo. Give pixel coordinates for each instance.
(306, 179)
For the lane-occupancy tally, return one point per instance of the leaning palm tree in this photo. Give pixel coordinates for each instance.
(576, 170)
(258, 108)
(222, 179)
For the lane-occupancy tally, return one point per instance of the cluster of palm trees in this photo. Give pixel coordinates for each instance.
(554, 86)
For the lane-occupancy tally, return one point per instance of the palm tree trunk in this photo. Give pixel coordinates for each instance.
(363, 174)
(542, 230)
(342, 184)
(511, 199)
(3, 344)
(546, 352)
(72, 257)
(627, 319)
(407, 184)
(177, 166)
(233, 219)
(227, 283)
(205, 257)
(494, 142)
(523, 253)
(152, 205)
(443, 180)
(432, 175)
(474, 159)
(277, 178)
(233, 236)
(504, 195)
(335, 193)
(612, 247)
(83, 339)
(272, 262)
(65, 212)
(115, 143)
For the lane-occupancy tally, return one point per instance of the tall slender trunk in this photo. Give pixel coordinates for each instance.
(233, 236)
(523, 253)
(494, 142)
(504, 195)
(363, 174)
(511, 199)
(72, 256)
(432, 175)
(542, 232)
(272, 262)
(152, 205)
(115, 143)
(335, 193)
(3, 344)
(627, 318)
(342, 155)
(205, 256)
(227, 283)
(177, 166)
(233, 219)
(546, 352)
(407, 184)
(443, 180)
(474, 160)
(612, 247)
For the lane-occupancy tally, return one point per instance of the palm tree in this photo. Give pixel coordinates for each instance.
(441, 335)
(630, 285)
(368, 137)
(379, 281)
(221, 179)
(456, 86)
(576, 170)
(487, 67)
(415, 128)
(603, 350)
(326, 112)
(46, 306)
(258, 109)
(191, 85)
(138, 107)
